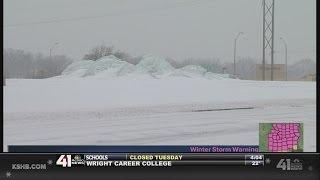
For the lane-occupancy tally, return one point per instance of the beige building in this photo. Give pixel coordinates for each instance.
(278, 72)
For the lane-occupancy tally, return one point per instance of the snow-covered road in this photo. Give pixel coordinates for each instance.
(152, 112)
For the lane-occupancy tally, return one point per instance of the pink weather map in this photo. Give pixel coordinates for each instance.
(280, 137)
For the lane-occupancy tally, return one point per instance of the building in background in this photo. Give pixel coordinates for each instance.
(278, 72)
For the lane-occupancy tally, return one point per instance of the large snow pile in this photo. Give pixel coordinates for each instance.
(77, 69)
(153, 65)
(149, 67)
(210, 75)
(194, 71)
(109, 66)
(190, 71)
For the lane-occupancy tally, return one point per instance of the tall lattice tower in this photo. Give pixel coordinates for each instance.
(268, 35)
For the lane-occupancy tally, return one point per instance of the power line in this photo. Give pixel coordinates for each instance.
(185, 4)
(54, 21)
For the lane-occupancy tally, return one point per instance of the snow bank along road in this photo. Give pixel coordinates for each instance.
(145, 111)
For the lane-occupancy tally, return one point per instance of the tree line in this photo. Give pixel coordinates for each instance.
(21, 64)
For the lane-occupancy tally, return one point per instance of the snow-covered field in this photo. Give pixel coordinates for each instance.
(152, 111)
(136, 109)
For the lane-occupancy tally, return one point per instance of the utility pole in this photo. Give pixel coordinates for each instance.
(234, 53)
(268, 35)
(272, 49)
(263, 42)
(286, 61)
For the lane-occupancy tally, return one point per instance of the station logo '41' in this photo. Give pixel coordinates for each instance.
(288, 165)
(64, 161)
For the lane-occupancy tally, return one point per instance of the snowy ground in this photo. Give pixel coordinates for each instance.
(144, 111)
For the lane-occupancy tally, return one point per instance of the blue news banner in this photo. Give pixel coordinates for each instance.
(134, 149)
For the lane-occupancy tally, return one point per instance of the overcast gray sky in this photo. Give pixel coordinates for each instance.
(169, 28)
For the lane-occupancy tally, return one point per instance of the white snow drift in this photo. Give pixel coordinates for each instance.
(145, 111)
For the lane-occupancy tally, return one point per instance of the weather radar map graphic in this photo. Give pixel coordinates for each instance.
(281, 137)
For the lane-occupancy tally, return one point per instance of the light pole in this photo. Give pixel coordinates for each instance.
(56, 43)
(286, 61)
(234, 53)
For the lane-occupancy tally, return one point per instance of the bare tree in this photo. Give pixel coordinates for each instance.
(99, 52)
(102, 50)
(122, 55)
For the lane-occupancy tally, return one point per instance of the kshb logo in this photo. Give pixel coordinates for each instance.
(287, 165)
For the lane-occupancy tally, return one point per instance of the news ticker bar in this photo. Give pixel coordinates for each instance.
(147, 159)
(159, 160)
(35, 166)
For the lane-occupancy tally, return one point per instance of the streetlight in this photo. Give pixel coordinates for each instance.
(56, 43)
(285, 45)
(234, 53)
